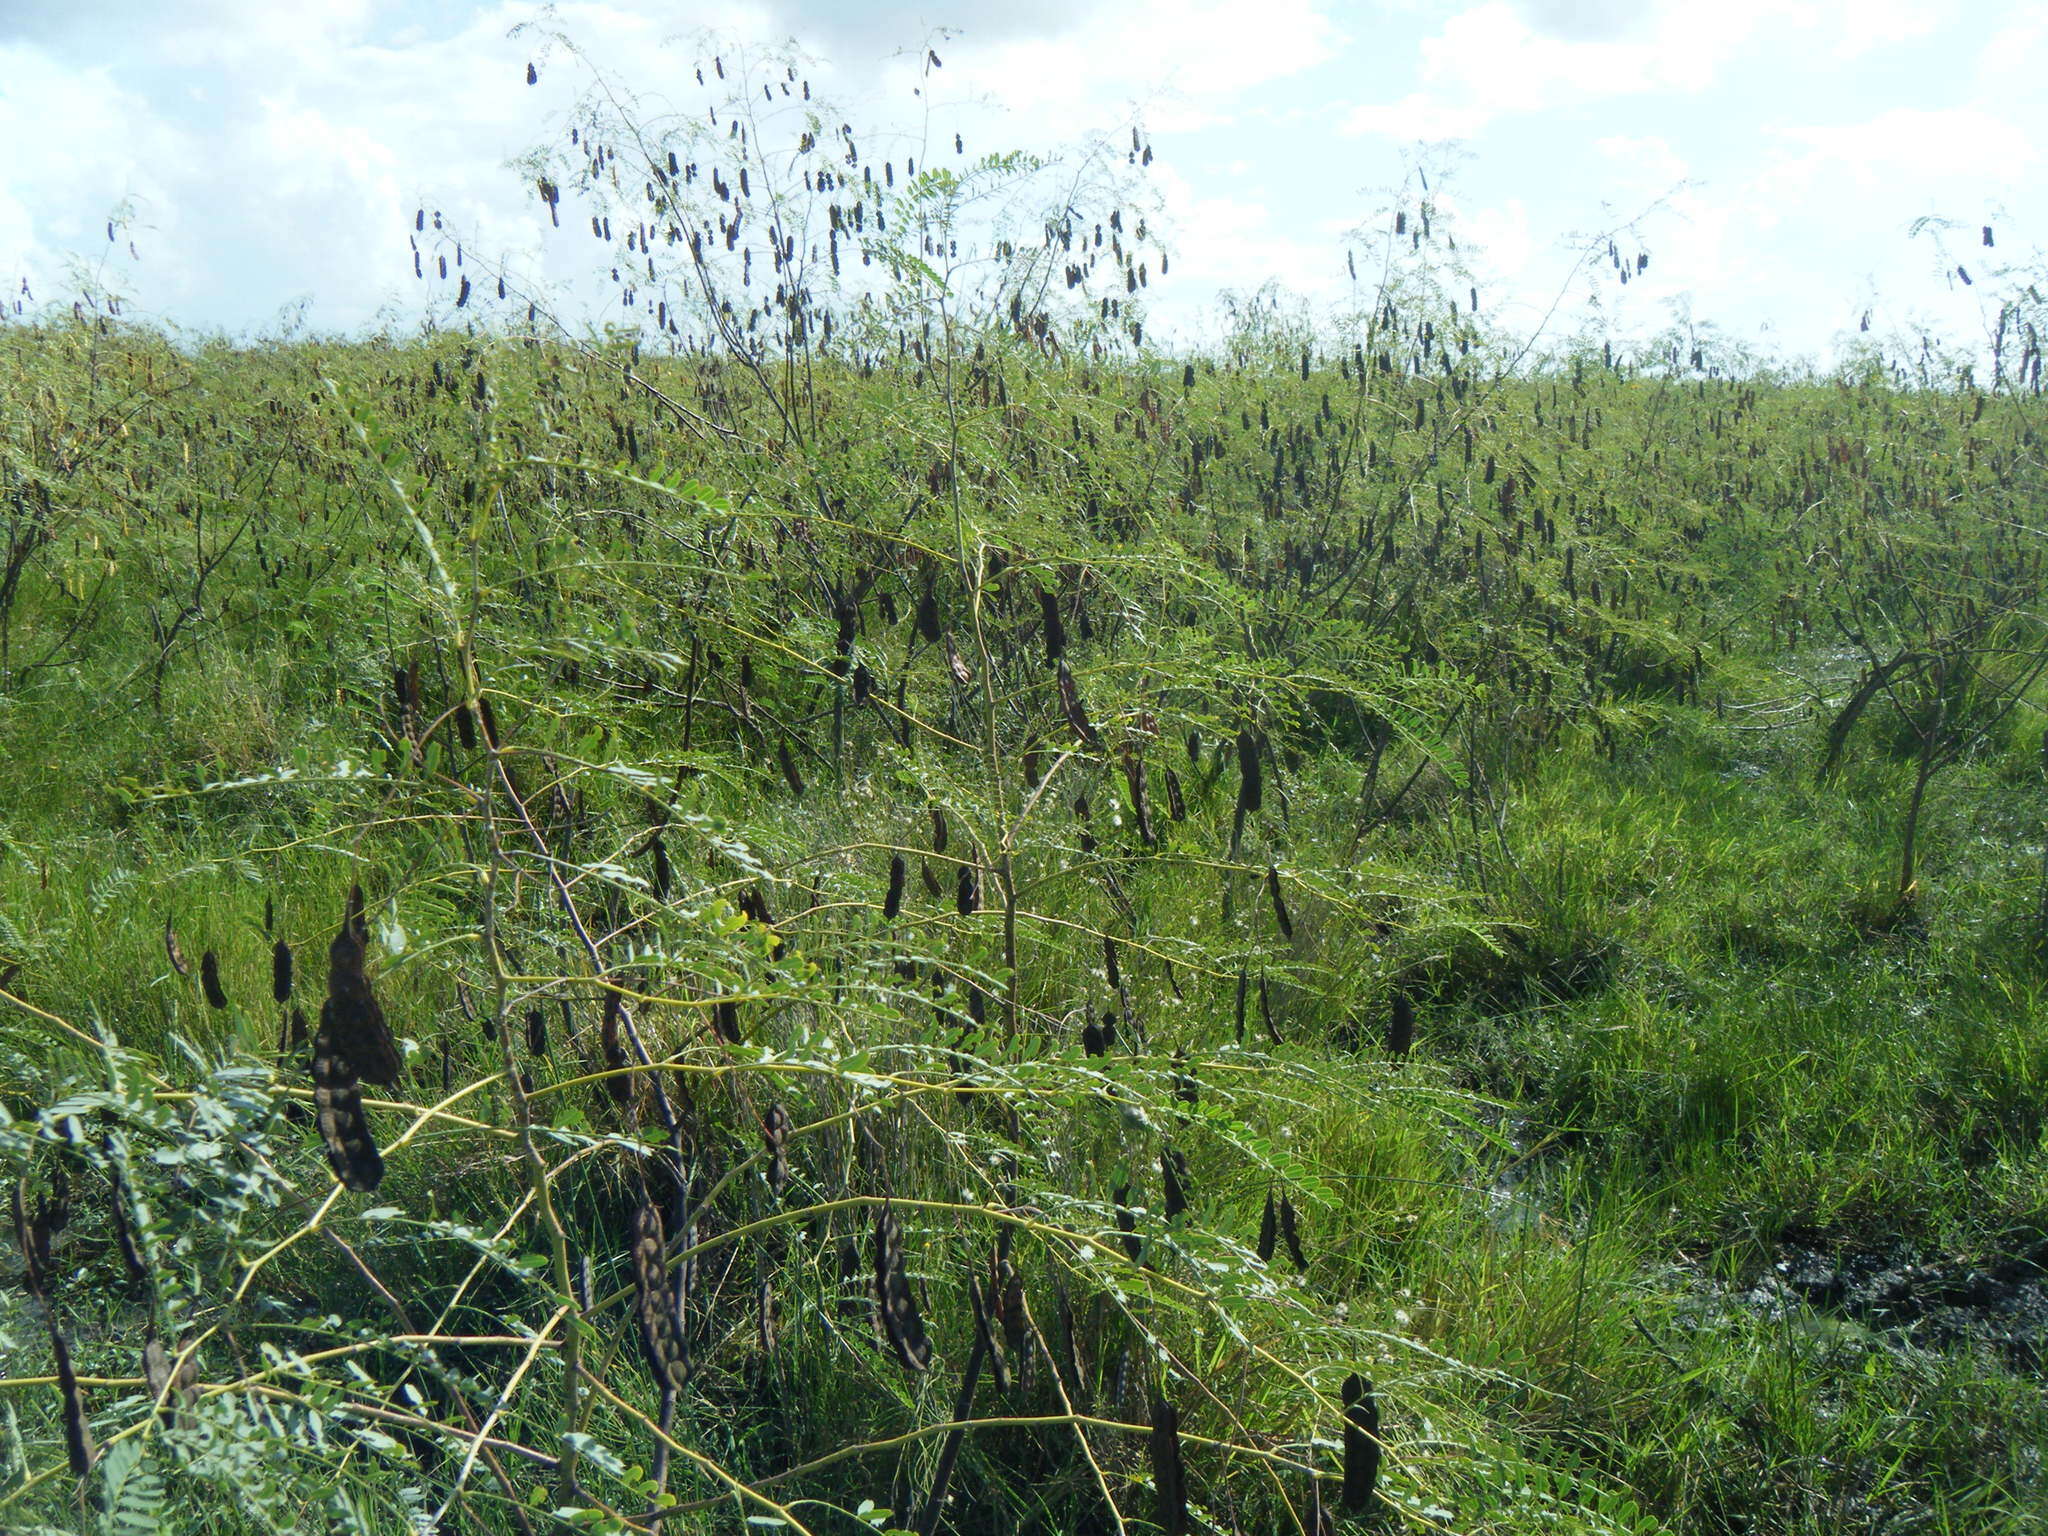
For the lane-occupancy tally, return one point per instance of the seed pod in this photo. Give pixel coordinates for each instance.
(967, 895)
(1185, 1088)
(1176, 803)
(1401, 1026)
(962, 673)
(351, 1150)
(171, 948)
(1361, 1444)
(78, 1446)
(1092, 1043)
(1169, 1476)
(901, 1325)
(1279, 904)
(1173, 1169)
(1127, 1224)
(764, 1317)
(985, 1331)
(1290, 1234)
(1250, 783)
(1110, 967)
(654, 1303)
(1266, 1011)
(794, 779)
(775, 1139)
(664, 874)
(351, 1019)
(465, 727)
(927, 616)
(1076, 712)
(536, 1032)
(1141, 800)
(938, 816)
(1269, 1230)
(932, 888)
(281, 971)
(1243, 986)
(725, 1019)
(298, 1029)
(209, 980)
(619, 1086)
(893, 902)
(1055, 631)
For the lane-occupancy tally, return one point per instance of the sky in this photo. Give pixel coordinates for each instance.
(1771, 157)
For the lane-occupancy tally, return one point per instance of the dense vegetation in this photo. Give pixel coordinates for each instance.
(978, 918)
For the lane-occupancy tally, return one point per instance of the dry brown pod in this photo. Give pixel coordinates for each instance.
(209, 980)
(901, 1325)
(1280, 913)
(1075, 711)
(281, 971)
(338, 1101)
(1361, 1444)
(616, 1061)
(653, 1302)
(892, 903)
(775, 1141)
(1269, 1230)
(1169, 1476)
(78, 1444)
(351, 1018)
(176, 953)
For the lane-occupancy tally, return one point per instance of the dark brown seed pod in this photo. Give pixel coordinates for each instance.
(1280, 915)
(1401, 1026)
(939, 835)
(298, 1029)
(794, 779)
(465, 728)
(173, 1389)
(176, 953)
(1055, 631)
(1075, 711)
(775, 1141)
(1361, 1444)
(209, 980)
(124, 1235)
(1243, 986)
(1176, 802)
(653, 1303)
(901, 1325)
(1173, 1170)
(1092, 1043)
(1290, 1234)
(78, 1446)
(1127, 1224)
(927, 617)
(1251, 792)
(957, 665)
(664, 875)
(725, 1019)
(1169, 1476)
(536, 1032)
(967, 894)
(932, 888)
(892, 903)
(1141, 799)
(1110, 966)
(281, 971)
(351, 1018)
(339, 1104)
(489, 717)
(1269, 1230)
(619, 1086)
(1266, 1010)
(986, 1332)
